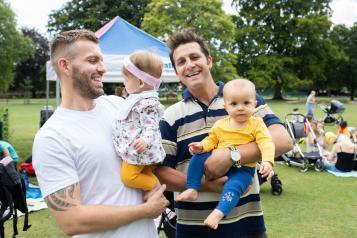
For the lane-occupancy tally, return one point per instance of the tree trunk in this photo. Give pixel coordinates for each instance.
(352, 94)
(277, 91)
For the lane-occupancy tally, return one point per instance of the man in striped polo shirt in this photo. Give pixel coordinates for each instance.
(190, 120)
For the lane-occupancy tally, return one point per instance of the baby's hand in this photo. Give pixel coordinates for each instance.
(140, 145)
(266, 169)
(195, 147)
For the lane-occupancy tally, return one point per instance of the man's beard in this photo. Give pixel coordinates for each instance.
(82, 82)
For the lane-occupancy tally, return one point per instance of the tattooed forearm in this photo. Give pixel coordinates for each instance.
(60, 200)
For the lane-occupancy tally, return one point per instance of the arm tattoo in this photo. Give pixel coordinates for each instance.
(58, 200)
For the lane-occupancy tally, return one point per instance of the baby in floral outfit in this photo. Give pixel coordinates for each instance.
(136, 133)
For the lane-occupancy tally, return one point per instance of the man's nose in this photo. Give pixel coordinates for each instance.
(101, 68)
(189, 64)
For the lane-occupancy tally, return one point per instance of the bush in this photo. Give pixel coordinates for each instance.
(4, 124)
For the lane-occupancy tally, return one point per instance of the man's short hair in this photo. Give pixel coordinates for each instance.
(187, 35)
(59, 46)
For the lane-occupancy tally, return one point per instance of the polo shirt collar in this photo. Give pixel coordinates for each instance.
(187, 95)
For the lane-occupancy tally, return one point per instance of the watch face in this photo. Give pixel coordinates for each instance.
(235, 155)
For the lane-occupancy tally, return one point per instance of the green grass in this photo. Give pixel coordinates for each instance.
(312, 204)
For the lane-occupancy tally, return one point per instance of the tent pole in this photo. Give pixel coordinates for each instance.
(57, 93)
(47, 92)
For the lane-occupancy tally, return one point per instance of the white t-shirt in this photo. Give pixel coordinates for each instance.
(76, 146)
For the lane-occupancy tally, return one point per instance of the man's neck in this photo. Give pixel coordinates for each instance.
(74, 101)
(206, 93)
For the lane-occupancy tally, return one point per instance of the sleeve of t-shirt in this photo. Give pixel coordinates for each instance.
(263, 110)
(53, 163)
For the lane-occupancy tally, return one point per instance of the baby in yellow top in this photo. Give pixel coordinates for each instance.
(239, 127)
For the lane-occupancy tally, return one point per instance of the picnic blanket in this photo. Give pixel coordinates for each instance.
(34, 198)
(339, 173)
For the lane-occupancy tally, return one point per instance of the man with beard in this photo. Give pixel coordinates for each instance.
(74, 157)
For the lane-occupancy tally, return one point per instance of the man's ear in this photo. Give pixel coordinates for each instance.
(209, 61)
(64, 66)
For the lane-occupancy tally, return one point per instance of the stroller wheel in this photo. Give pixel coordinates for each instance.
(319, 165)
(305, 166)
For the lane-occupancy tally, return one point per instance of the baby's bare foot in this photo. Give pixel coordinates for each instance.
(188, 195)
(214, 218)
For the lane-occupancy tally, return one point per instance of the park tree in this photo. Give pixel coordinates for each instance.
(164, 17)
(93, 14)
(33, 69)
(351, 83)
(14, 47)
(282, 43)
(338, 70)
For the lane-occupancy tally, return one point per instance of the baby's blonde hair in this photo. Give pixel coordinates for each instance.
(148, 62)
(241, 84)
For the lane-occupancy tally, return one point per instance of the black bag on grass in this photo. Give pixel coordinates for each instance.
(12, 196)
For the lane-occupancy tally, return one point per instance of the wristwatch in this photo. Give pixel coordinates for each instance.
(235, 156)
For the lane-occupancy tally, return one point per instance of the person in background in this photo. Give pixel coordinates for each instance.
(342, 155)
(7, 150)
(317, 137)
(310, 101)
(297, 117)
(73, 154)
(121, 92)
(343, 129)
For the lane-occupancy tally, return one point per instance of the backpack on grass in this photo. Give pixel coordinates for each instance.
(12, 195)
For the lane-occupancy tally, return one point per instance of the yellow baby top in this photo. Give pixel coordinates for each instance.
(223, 135)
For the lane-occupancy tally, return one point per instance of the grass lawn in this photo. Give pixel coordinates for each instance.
(312, 204)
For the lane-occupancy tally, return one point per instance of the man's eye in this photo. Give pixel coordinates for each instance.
(92, 60)
(181, 62)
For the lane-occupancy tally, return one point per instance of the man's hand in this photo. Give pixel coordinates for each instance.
(157, 203)
(218, 164)
(140, 145)
(266, 169)
(195, 147)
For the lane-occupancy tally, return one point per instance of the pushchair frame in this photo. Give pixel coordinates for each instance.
(305, 160)
(332, 112)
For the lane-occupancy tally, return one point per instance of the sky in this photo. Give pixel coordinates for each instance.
(34, 13)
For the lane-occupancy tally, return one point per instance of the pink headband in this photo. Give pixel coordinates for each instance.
(147, 78)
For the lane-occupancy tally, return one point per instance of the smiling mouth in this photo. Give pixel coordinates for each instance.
(192, 74)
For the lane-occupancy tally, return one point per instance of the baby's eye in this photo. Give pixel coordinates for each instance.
(246, 103)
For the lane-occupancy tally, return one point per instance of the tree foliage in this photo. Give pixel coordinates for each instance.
(13, 46)
(165, 17)
(342, 73)
(283, 43)
(33, 69)
(93, 14)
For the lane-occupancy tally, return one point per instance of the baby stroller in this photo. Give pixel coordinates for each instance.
(333, 112)
(296, 157)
